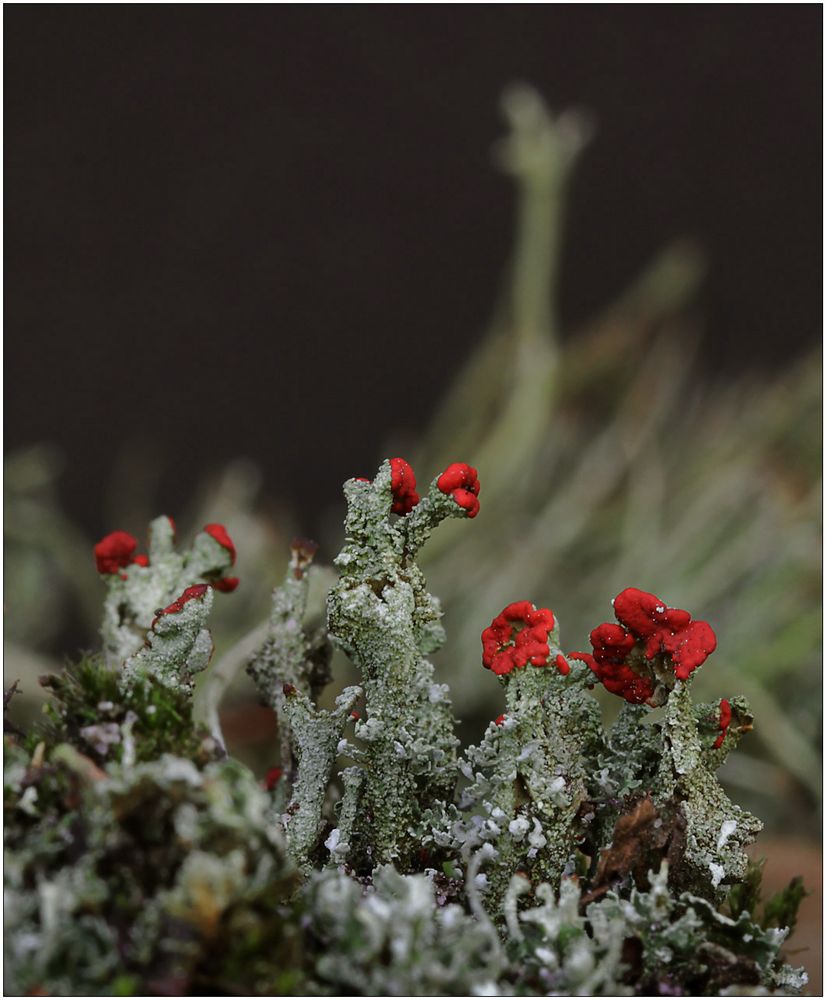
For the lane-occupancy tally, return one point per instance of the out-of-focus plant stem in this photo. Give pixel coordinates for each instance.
(621, 464)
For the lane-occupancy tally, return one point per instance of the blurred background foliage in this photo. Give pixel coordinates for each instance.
(608, 457)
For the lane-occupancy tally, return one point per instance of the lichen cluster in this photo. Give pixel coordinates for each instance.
(555, 856)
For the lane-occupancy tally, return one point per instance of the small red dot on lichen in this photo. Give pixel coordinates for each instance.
(141, 560)
(499, 720)
(272, 778)
(226, 584)
(563, 665)
(725, 718)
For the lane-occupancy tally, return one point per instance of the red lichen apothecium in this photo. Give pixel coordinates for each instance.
(115, 551)
(190, 594)
(650, 634)
(403, 487)
(724, 719)
(517, 636)
(460, 482)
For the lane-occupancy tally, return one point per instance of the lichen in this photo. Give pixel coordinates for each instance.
(555, 856)
(137, 590)
(152, 876)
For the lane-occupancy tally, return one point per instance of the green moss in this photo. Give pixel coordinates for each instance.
(92, 710)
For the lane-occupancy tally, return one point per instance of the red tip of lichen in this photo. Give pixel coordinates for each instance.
(725, 718)
(219, 533)
(587, 658)
(114, 551)
(516, 637)
(652, 629)
(190, 594)
(403, 487)
(563, 665)
(499, 720)
(272, 778)
(460, 481)
(467, 500)
(355, 715)
(689, 648)
(645, 615)
(226, 584)
(667, 631)
(141, 560)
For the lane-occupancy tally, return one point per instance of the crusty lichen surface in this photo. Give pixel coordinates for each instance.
(555, 856)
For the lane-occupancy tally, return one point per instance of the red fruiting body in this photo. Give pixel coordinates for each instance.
(403, 487)
(272, 778)
(459, 475)
(355, 715)
(670, 631)
(190, 594)
(618, 678)
(499, 720)
(517, 636)
(141, 560)
(648, 628)
(725, 710)
(461, 482)
(563, 665)
(115, 551)
(226, 584)
(219, 533)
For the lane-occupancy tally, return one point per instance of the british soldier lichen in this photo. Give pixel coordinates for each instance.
(653, 647)
(373, 858)
(137, 586)
(382, 615)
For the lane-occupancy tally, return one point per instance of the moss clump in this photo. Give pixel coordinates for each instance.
(92, 710)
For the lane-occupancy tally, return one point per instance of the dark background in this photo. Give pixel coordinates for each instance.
(276, 231)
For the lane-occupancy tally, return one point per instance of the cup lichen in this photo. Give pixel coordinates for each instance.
(556, 856)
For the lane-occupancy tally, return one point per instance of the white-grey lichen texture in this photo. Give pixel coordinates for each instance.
(554, 857)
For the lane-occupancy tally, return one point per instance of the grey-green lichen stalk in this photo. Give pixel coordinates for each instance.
(382, 615)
